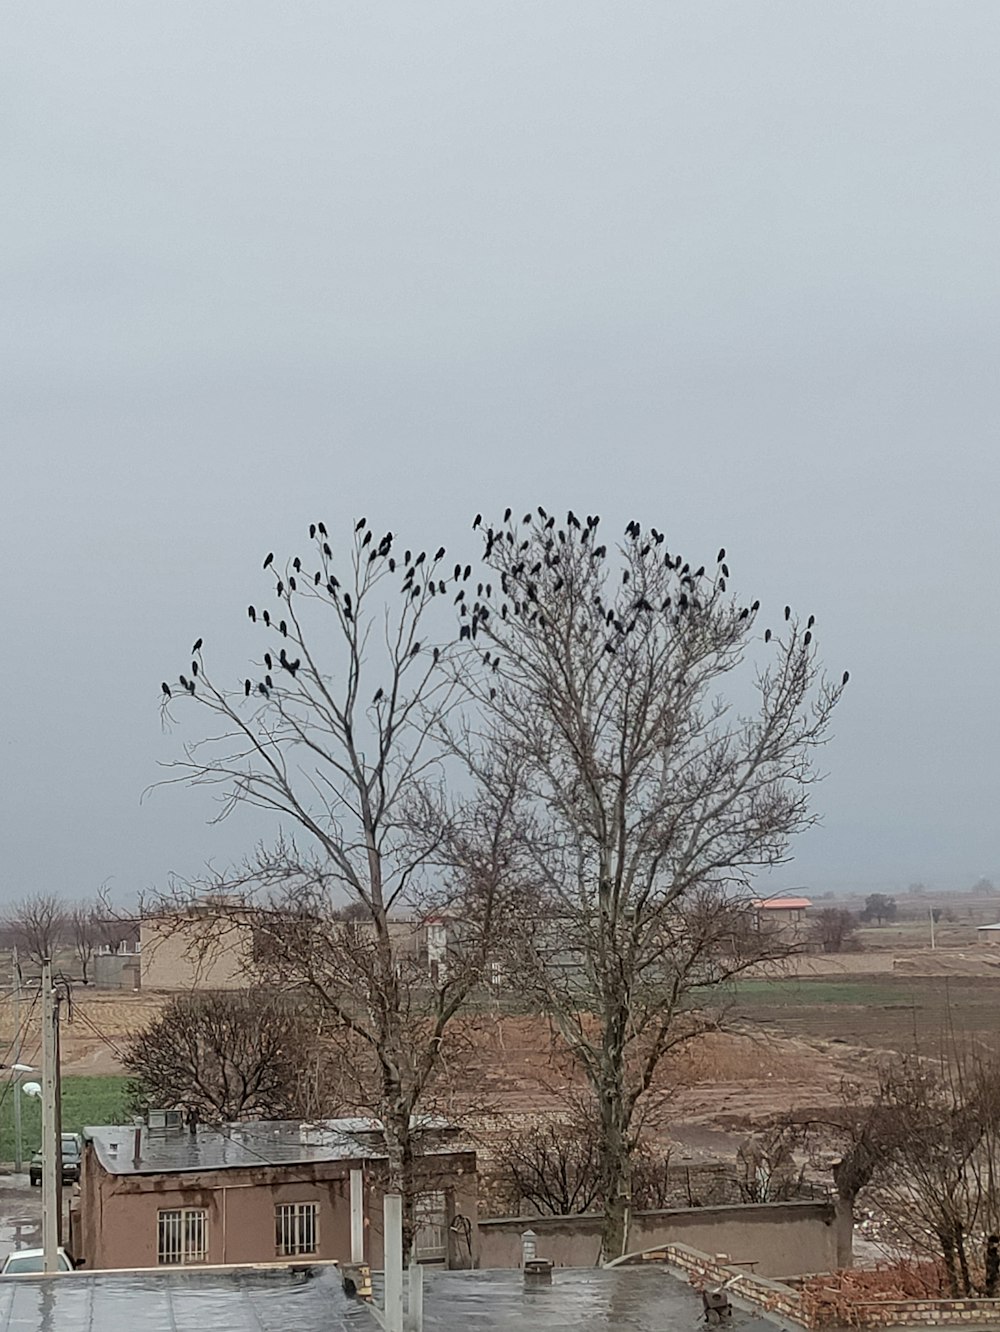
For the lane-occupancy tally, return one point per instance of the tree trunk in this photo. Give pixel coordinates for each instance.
(992, 1274)
(398, 1133)
(616, 1172)
(948, 1254)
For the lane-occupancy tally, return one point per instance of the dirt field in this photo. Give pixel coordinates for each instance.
(794, 1042)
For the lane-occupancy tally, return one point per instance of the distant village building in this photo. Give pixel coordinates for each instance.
(988, 934)
(784, 915)
(259, 1193)
(206, 945)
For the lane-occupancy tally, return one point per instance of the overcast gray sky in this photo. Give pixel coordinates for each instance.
(728, 268)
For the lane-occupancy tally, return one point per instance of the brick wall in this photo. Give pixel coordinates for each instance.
(777, 1298)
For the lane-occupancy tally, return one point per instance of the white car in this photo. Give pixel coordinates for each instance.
(33, 1260)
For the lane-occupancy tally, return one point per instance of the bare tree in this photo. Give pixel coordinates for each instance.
(937, 1170)
(636, 802)
(834, 929)
(85, 931)
(334, 733)
(227, 1055)
(552, 1166)
(38, 925)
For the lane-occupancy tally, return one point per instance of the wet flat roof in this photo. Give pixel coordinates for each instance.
(622, 1299)
(239, 1146)
(180, 1302)
(609, 1299)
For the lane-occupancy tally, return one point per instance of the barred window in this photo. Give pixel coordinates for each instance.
(182, 1236)
(295, 1228)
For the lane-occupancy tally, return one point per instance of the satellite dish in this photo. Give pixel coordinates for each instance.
(32, 1089)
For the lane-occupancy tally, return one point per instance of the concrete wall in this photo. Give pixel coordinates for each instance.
(117, 971)
(780, 1239)
(208, 951)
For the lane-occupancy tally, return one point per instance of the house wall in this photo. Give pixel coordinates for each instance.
(203, 951)
(780, 1239)
(115, 1224)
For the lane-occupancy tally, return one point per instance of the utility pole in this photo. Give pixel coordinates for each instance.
(51, 1146)
(16, 1075)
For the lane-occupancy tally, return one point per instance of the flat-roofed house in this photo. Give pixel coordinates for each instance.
(260, 1192)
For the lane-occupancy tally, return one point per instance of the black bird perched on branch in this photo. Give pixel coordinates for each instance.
(190, 686)
(266, 616)
(811, 621)
(262, 689)
(166, 689)
(269, 559)
(291, 583)
(252, 613)
(197, 645)
(183, 681)
(326, 550)
(317, 578)
(297, 564)
(788, 612)
(269, 682)
(283, 627)
(194, 668)
(281, 587)
(267, 659)
(767, 635)
(378, 695)
(847, 676)
(247, 687)
(721, 555)
(506, 515)
(464, 632)
(312, 531)
(321, 529)
(359, 524)
(367, 537)
(476, 521)
(440, 554)
(807, 637)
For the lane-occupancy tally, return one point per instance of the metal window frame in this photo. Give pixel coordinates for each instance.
(295, 1223)
(173, 1236)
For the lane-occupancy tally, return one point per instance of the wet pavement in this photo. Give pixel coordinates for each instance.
(20, 1215)
(618, 1299)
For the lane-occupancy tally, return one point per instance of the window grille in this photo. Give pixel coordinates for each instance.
(182, 1236)
(295, 1228)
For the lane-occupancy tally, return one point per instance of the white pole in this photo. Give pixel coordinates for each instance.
(930, 915)
(416, 1287)
(392, 1240)
(51, 1155)
(357, 1216)
(16, 1059)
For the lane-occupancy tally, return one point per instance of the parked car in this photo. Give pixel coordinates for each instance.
(33, 1260)
(70, 1161)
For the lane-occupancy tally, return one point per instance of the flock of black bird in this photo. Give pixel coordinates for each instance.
(508, 550)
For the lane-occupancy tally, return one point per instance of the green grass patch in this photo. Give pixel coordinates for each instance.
(84, 1101)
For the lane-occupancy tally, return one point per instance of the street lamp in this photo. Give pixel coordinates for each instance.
(17, 1070)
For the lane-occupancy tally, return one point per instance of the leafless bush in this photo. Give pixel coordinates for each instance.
(228, 1056)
